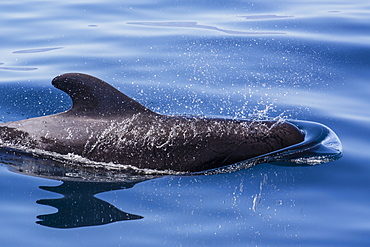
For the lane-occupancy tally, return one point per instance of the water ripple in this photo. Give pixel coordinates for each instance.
(17, 68)
(38, 50)
(266, 17)
(194, 24)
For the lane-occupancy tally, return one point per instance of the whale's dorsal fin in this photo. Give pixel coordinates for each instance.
(94, 97)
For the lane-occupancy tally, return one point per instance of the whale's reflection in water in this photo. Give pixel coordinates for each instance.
(79, 207)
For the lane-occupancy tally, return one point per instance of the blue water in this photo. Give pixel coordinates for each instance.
(306, 60)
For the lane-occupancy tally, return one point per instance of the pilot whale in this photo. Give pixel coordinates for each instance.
(105, 125)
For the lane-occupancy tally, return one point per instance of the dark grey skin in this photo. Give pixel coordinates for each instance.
(105, 125)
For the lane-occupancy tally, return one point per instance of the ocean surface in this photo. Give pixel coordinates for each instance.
(305, 60)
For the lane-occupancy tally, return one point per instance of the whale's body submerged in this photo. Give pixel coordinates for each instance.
(105, 125)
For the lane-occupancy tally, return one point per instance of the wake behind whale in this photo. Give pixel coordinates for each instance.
(106, 128)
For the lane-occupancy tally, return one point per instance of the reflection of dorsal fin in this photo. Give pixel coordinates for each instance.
(94, 97)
